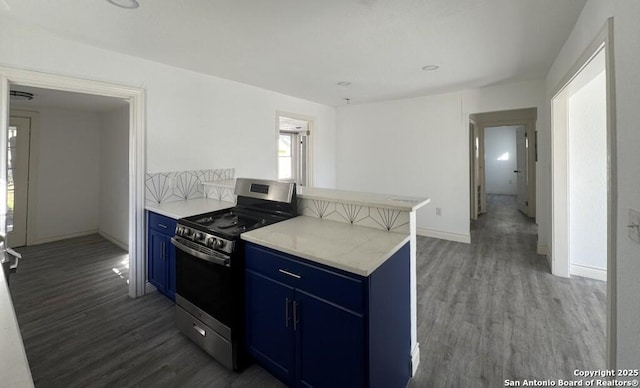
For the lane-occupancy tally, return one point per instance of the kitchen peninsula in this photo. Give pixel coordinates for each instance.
(349, 262)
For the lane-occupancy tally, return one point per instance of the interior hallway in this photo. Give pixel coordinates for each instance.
(491, 310)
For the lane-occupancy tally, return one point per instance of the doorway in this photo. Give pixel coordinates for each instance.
(18, 143)
(136, 151)
(586, 91)
(580, 156)
(519, 178)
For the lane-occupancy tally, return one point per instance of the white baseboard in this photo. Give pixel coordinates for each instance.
(589, 272)
(463, 238)
(62, 237)
(149, 288)
(114, 240)
(415, 359)
(542, 249)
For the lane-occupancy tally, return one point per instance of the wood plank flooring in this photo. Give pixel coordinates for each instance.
(487, 311)
(80, 328)
(491, 310)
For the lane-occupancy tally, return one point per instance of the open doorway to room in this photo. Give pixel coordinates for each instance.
(295, 148)
(502, 156)
(583, 174)
(67, 167)
(583, 105)
(132, 156)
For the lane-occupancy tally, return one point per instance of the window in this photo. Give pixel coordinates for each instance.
(293, 150)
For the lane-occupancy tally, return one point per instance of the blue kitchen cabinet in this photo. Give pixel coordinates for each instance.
(315, 326)
(161, 254)
(271, 338)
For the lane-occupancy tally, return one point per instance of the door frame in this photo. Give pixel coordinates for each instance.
(526, 117)
(137, 118)
(559, 257)
(32, 190)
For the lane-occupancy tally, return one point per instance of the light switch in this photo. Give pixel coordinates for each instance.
(634, 225)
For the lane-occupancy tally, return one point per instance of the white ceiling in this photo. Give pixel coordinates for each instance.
(304, 48)
(48, 98)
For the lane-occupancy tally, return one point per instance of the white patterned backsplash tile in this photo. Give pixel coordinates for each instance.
(180, 185)
(219, 192)
(371, 217)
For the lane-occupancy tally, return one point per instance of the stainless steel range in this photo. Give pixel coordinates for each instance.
(210, 266)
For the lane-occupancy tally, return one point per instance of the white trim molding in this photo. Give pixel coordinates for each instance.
(463, 238)
(542, 249)
(589, 272)
(137, 125)
(415, 359)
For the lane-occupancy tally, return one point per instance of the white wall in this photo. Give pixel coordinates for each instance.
(419, 147)
(194, 121)
(66, 183)
(114, 175)
(627, 116)
(499, 175)
(587, 123)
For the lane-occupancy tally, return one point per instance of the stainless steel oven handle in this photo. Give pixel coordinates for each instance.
(212, 259)
(199, 330)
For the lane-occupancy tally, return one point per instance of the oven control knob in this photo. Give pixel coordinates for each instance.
(214, 243)
(198, 236)
(180, 231)
(187, 232)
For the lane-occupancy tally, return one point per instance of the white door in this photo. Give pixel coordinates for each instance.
(18, 138)
(521, 148)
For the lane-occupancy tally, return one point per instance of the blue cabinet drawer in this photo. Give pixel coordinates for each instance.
(334, 286)
(162, 224)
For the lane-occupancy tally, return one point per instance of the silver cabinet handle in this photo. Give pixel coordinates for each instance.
(286, 312)
(162, 226)
(199, 330)
(290, 273)
(295, 315)
(162, 250)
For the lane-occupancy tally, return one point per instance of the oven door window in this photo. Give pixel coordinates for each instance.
(206, 285)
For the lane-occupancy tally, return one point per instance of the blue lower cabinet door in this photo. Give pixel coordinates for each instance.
(331, 344)
(157, 260)
(171, 269)
(270, 337)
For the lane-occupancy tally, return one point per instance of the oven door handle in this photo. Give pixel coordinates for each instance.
(200, 255)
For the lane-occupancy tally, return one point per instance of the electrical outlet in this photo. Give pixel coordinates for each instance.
(173, 182)
(438, 211)
(634, 225)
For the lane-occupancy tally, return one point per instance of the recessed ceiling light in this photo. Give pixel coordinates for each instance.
(344, 83)
(128, 4)
(430, 67)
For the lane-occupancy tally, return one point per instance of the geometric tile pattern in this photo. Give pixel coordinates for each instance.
(222, 193)
(368, 216)
(180, 185)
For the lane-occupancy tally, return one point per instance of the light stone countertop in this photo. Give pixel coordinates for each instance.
(388, 201)
(14, 367)
(356, 249)
(189, 207)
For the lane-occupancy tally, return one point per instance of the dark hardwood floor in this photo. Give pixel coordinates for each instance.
(487, 311)
(80, 328)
